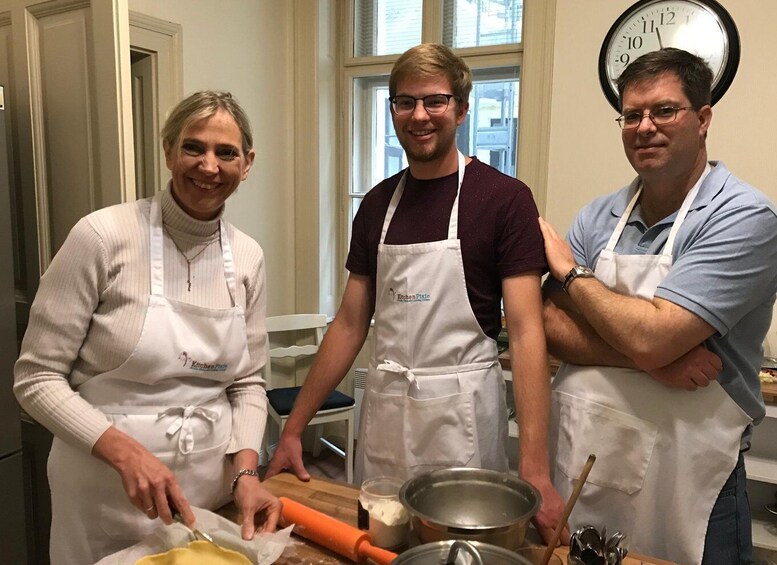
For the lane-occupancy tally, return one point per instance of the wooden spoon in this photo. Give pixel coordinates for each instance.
(553, 541)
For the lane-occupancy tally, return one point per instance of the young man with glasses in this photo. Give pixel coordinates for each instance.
(662, 341)
(434, 250)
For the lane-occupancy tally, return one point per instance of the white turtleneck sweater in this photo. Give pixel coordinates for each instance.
(90, 307)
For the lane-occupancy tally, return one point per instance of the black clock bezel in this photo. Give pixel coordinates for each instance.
(729, 69)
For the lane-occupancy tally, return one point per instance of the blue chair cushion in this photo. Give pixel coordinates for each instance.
(282, 400)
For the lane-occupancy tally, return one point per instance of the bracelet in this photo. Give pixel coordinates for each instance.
(239, 474)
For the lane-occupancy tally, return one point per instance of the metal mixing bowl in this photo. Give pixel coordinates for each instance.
(470, 504)
(439, 552)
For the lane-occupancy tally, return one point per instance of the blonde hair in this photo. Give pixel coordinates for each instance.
(204, 104)
(430, 60)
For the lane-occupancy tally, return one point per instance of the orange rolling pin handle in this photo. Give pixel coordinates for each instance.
(324, 530)
(369, 553)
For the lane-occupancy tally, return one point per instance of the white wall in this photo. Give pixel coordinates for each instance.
(244, 46)
(247, 47)
(586, 155)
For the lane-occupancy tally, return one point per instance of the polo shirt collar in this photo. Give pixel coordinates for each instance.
(708, 190)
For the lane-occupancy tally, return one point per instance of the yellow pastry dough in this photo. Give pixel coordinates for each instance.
(196, 553)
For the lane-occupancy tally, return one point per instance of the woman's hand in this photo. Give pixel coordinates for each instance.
(258, 509)
(150, 485)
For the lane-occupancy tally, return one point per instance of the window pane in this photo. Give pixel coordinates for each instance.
(386, 27)
(376, 150)
(490, 130)
(470, 23)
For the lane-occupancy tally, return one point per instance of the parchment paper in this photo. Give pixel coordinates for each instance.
(264, 549)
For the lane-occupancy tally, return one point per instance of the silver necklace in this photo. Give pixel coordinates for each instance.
(189, 259)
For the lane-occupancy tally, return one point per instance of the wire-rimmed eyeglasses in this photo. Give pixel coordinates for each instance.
(659, 116)
(433, 103)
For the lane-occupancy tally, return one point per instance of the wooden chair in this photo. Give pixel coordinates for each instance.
(337, 407)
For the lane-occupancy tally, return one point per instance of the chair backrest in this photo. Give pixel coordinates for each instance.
(294, 322)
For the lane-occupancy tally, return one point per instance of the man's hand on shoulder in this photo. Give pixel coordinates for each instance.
(557, 251)
(697, 368)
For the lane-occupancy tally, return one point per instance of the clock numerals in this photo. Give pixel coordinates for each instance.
(699, 26)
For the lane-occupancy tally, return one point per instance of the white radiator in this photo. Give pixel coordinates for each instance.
(359, 384)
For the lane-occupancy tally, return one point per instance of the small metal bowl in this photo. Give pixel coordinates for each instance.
(470, 504)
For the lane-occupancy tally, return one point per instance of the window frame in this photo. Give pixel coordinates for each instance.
(533, 56)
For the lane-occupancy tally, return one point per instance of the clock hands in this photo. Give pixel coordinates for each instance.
(658, 34)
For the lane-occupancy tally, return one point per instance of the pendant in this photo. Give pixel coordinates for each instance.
(189, 275)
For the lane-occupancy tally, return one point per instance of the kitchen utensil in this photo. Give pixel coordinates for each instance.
(588, 546)
(471, 504)
(333, 534)
(440, 553)
(613, 550)
(553, 541)
(197, 534)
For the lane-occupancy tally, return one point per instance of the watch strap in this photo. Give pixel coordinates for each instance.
(575, 272)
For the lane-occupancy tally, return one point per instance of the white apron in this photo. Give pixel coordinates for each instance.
(435, 395)
(663, 454)
(169, 395)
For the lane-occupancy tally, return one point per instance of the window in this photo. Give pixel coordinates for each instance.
(486, 33)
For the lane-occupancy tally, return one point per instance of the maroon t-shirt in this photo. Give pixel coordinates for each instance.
(498, 228)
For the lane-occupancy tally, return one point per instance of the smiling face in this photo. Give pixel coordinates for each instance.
(671, 151)
(208, 165)
(429, 140)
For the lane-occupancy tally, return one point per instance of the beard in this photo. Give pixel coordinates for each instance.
(428, 152)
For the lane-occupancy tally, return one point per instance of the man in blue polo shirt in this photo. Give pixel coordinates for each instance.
(663, 296)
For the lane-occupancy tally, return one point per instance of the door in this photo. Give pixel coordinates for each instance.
(66, 67)
(71, 127)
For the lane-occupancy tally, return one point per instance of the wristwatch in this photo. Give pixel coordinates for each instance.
(576, 271)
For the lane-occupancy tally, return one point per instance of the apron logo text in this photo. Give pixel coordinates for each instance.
(417, 297)
(198, 366)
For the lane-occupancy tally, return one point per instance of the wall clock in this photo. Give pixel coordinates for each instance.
(702, 27)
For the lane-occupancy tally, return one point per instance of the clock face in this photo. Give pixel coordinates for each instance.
(701, 27)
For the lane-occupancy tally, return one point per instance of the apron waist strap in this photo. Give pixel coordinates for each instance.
(182, 425)
(412, 375)
(393, 367)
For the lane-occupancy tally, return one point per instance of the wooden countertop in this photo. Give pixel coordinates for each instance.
(338, 500)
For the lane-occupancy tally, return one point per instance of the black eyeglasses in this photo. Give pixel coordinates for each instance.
(433, 103)
(659, 116)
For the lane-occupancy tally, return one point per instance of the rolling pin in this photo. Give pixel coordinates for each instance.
(333, 534)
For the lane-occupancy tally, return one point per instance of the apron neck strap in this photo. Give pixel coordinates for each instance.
(681, 214)
(453, 222)
(156, 242)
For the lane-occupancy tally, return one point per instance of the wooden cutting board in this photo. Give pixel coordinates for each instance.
(338, 500)
(769, 391)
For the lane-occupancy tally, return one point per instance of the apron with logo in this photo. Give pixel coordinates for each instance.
(663, 454)
(435, 395)
(170, 396)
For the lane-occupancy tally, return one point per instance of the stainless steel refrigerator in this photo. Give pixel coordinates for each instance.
(12, 513)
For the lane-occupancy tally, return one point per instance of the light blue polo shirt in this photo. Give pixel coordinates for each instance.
(724, 267)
